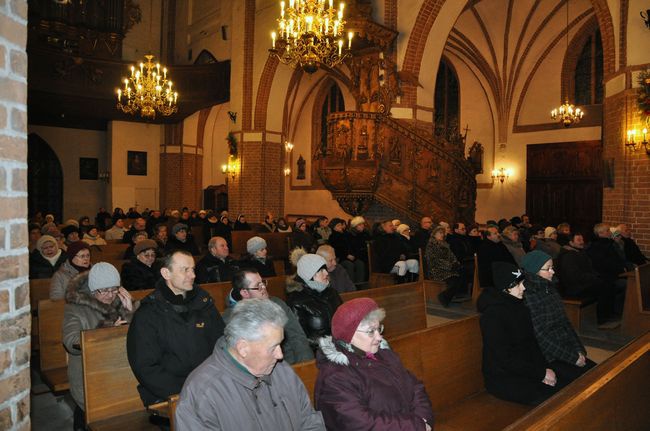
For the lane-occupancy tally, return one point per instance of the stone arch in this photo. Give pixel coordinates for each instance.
(44, 178)
(573, 54)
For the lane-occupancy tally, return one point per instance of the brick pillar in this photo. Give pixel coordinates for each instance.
(181, 171)
(15, 320)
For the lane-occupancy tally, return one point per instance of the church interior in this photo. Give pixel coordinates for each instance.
(459, 110)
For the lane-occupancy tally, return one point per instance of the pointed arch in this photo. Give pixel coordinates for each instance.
(44, 178)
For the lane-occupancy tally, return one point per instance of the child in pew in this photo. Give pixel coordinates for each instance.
(514, 368)
(361, 383)
(94, 299)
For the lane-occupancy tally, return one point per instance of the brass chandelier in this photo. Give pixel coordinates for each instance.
(148, 91)
(310, 35)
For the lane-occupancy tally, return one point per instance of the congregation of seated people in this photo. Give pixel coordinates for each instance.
(178, 341)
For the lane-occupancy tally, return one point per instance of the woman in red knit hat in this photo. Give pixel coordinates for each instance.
(361, 383)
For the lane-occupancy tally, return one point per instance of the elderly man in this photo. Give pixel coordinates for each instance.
(339, 278)
(138, 225)
(217, 265)
(491, 250)
(244, 385)
(248, 284)
(173, 331)
(422, 235)
(631, 249)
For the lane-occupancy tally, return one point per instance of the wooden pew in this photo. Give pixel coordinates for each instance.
(220, 291)
(108, 252)
(53, 357)
(615, 395)
(636, 310)
(377, 279)
(39, 289)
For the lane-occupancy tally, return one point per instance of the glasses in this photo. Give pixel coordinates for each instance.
(107, 291)
(149, 255)
(259, 286)
(370, 332)
(82, 256)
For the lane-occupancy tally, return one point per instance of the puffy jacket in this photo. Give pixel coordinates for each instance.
(211, 269)
(314, 309)
(169, 337)
(60, 280)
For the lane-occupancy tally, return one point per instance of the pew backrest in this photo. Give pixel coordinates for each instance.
(108, 252)
(39, 289)
(50, 322)
(636, 310)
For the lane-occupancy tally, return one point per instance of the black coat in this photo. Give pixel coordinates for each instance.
(189, 245)
(304, 240)
(211, 269)
(339, 241)
(357, 244)
(314, 309)
(387, 249)
(488, 253)
(169, 337)
(461, 246)
(138, 276)
(606, 259)
(421, 238)
(576, 273)
(266, 268)
(513, 364)
(632, 252)
(39, 267)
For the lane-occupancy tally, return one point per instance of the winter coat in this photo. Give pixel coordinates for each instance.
(114, 233)
(548, 246)
(83, 311)
(490, 252)
(138, 276)
(461, 246)
(314, 309)
(211, 269)
(632, 252)
(295, 346)
(304, 240)
(222, 395)
(357, 244)
(60, 280)
(169, 337)
(322, 234)
(409, 247)
(606, 259)
(264, 267)
(421, 237)
(39, 267)
(575, 271)
(441, 262)
(555, 335)
(97, 240)
(189, 245)
(515, 248)
(340, 280)
(513, 364)
(339, 242)
(356, 392)
(387, 250)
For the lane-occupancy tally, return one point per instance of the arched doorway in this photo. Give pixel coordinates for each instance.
(44, 178)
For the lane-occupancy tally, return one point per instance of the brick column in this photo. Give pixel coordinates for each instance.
(15, 320)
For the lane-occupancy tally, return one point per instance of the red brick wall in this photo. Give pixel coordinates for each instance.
(181, 171)
(15, 319)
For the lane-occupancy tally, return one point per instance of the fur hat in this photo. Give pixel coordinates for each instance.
(356, 221)
(145, 244)
(347, 317)
(75, 248)
(255, 244)
(505, 275)
(549, 231)
(179, 227)
(309, 265)
(43, 239)
(533, 261)
(103, 275)
(69, 229)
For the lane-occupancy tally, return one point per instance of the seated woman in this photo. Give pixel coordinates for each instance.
(46, 259)
(443, 266)
(514, 368)
(556, 337)
(141, 272)
(78, 261)
(257, 257)
(94, 300)
(361, 383)
(92, 237)
(301, 237)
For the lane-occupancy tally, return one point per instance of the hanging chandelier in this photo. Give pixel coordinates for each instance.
(567, 114)
(147, 91)
(310, 35)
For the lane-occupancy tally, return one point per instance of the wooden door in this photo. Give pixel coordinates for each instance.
(564, 183)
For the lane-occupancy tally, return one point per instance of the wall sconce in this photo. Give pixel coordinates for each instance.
(646, 18)
(287, 172)
(105, 176)
(633, 143)
(501, 174)
(230, 168)
(288, 146)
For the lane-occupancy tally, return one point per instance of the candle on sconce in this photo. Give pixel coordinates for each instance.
(644, 131)
(273, 39)
(119, 95)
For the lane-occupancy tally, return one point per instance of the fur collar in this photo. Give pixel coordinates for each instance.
(294, 284)
(332, 351)
(78, 293)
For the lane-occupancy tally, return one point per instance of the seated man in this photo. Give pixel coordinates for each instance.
(244, 385)
(339, 278)
(217, 265)
(173, 331)
(248, 284)
(631, 249)
(491, 250)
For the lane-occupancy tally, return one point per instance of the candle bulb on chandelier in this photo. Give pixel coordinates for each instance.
(132, 71)
(119, 95)
(273, 38)
(350, 34)
(340, 46)
(644, 131)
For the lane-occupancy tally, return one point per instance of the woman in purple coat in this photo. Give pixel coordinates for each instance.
(361, 383)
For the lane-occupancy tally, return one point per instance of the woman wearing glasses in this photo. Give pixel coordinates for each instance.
(141, 272)
(361, 383)
(78, 262)
(94, 300)
(556, 337)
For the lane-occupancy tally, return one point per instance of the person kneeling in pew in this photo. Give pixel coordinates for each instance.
(514, 368)
(361, 383)
(94, 299)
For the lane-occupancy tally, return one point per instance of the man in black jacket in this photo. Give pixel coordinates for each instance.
(632, 252)
(217, 265)
(173, 331)
(491, 250)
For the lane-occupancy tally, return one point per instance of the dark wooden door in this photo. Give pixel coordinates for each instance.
(564, 183)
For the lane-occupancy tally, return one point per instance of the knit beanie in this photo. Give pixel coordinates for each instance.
(347, 317)
(549, 231)
(145, 244)
(103, 276)
(356, 221)
(505, 275)
(69, 229)
(75, 248)
(72, 222)
(300, 222)
(255, 244)
(179, 227)
(533, 261)
(42, 240)
(309, 265)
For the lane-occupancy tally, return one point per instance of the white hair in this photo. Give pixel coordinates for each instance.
(248, 317)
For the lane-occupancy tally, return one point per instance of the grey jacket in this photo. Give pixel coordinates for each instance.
(60, 280)
(221, 395)
(340, 280)
(83, 311)
(515, 248)
(295, 345)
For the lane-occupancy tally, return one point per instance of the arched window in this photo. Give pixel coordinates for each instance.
(588, 74)
(333, 103)
(446, 100)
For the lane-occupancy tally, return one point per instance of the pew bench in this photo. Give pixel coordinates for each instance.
(39, 289)
(52, 357)
(573, 307)
(636, 310)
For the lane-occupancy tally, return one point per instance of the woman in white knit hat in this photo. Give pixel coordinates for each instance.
(257, 257)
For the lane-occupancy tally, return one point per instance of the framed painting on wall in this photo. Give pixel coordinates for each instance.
(136, 163)
(88, 168)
